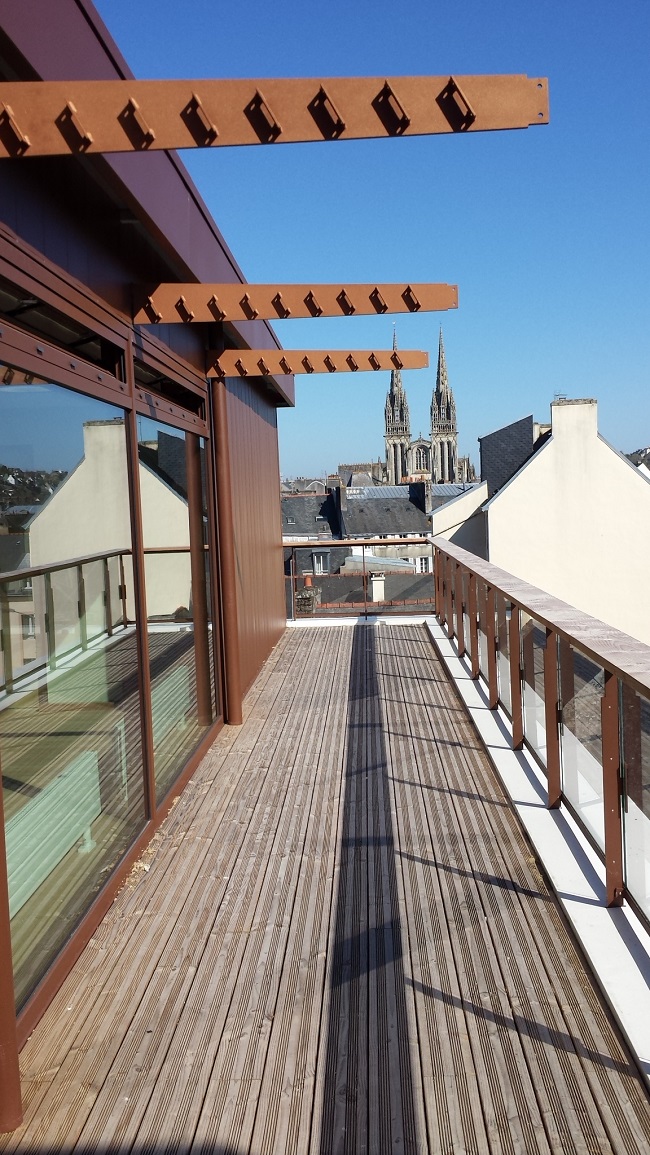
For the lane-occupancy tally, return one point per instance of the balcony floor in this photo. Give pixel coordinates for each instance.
(339, 941)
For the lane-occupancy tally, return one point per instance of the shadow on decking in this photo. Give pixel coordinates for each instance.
(369, 1085)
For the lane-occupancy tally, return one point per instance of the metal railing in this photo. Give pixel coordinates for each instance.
(48, 612)
(577, 694)
(327, 577)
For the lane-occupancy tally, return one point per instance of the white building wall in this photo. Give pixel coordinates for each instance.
(462, 521)
(89, 513)
(574, 521)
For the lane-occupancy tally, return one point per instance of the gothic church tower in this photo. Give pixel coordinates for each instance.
(398, 428)
(444, 433)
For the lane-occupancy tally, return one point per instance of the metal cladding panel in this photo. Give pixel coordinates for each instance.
(252, 429)
(68, 40)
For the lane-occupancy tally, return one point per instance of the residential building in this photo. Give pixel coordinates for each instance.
(561, 508)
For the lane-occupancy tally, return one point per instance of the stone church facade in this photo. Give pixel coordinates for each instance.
(435, 459)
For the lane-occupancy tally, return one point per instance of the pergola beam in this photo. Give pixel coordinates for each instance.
(172, 303)
(47, 118)
(277, 362)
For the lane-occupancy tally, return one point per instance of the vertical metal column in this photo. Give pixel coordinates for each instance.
(473, 626)
(227, 568)
(5, 637)
(514, 642)
(11, 1109)
(437, 583)
(552, 720)
(197, 568)
(612, 791)
(449, 569)
(460, 607)
(491, 632)
(139, 591)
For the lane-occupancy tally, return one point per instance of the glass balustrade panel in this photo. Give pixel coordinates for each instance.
(482, 605)
(581, 691)
(70, 755)
(503, 614)
(177, 617)
(635, 716)
(533, 643)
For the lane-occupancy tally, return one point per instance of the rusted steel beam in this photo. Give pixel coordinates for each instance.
(47, 118)
(174, 303)
(274, 362)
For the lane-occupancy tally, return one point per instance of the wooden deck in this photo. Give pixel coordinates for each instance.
(338, 942)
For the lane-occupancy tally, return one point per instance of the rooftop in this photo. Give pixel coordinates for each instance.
(340, 940)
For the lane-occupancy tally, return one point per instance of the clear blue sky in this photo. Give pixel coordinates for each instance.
(546, 231)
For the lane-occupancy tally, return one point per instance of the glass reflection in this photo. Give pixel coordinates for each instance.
(533, 644)
(172, 488)
(636, 765)
(70, 750)
(581, 690)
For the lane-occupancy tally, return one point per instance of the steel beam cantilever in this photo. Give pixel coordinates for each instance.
(169, 303)
(53, 117)
(276, 362)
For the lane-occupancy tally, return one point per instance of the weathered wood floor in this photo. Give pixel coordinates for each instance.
(339, 942)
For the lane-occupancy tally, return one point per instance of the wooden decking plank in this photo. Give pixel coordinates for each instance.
(162, 1091)
(496, 1005)
(234, 1122)
(342, 945)
(456, 1118)
(129, 985)
(279, 1113)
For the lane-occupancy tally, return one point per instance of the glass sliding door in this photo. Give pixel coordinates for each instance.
(70, 725)
(174, 524)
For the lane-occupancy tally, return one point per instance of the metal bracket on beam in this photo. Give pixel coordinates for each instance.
(272, 362)
(235, 302)
(139, 115)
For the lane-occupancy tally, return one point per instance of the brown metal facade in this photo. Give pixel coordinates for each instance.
(252, 428)
(74, 237)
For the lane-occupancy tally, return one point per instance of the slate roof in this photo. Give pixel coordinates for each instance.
(504, 452)
(369, 517)
(310, 515)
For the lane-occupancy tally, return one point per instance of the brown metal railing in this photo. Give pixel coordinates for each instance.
(373, 584)
(577, 694)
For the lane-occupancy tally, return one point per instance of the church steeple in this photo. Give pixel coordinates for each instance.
(444, 433)
(398, 427)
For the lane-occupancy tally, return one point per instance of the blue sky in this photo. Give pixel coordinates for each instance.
(546, 231)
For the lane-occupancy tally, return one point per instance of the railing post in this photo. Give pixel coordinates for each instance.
(293, 580)
(5, 634)
(552, 719)
(108, 609)
(50, 630)
(472, 610)
(612, 791)
(11, 1111)
(364, 579)
(514, 642)
(449, 569)
(81, 608)
(123, 590)
(437, 582)
(460, 606)
(493, 684)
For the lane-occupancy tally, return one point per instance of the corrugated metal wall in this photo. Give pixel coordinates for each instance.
(252, 428)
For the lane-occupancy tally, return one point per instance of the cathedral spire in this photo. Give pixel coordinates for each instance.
(397, 427)
(444, 434)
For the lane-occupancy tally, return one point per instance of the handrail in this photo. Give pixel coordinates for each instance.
(17, 575)
(622, 750)
(628, 658)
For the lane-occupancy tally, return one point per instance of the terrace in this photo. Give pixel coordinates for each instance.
(341, 939)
